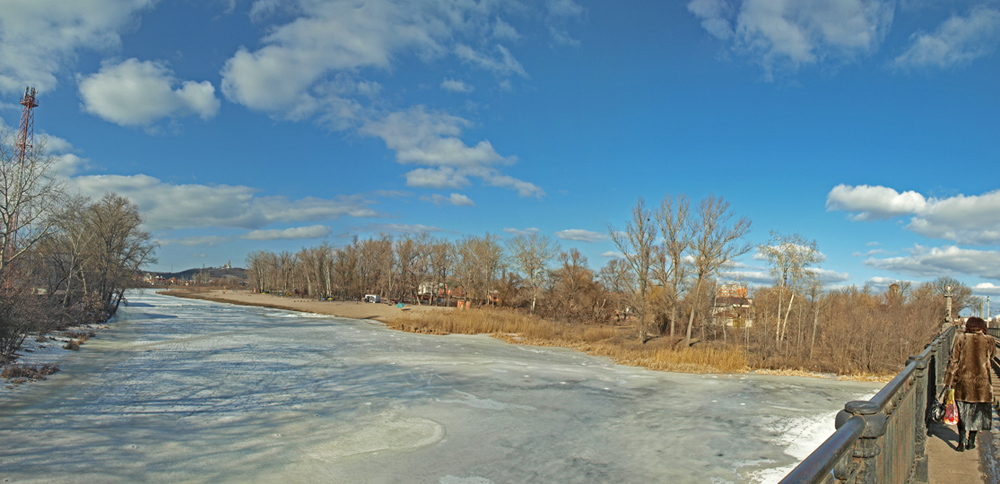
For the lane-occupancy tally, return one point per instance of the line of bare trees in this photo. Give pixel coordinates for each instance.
(63, 260)
(666, 284)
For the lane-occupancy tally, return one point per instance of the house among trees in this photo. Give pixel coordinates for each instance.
(732, 306)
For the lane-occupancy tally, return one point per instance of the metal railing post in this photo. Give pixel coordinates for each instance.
(920, 418)
(867, 450)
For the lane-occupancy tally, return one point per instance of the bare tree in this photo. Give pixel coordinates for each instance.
(715, 243)
(530, 254)
(120, 247)
(673, 218)
(619, 281)
(636, 244)
(441, 258)
(30, 195)
(790, 256)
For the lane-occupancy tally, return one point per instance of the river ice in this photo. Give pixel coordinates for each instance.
(186, 390)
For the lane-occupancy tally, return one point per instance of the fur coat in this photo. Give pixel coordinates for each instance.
(969, 372)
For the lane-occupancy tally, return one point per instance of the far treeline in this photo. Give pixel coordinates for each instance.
(665, 296)
(64, 260)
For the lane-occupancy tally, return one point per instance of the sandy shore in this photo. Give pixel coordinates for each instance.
(342, 309)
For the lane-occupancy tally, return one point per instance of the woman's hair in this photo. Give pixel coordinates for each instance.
(975, 324)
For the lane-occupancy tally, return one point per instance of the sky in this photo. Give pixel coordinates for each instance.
(869, 126)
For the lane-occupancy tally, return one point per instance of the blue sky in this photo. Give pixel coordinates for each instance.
(870, 126)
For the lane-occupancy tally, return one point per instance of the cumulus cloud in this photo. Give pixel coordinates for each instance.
(456, 199)
(986, 289)
(943, 261)
(42, 37)
(874, 202)
(580, 235)
(958, 40)
(310, 232)
(973, 219)
(170, 206)
(786, 33)
(134, 93)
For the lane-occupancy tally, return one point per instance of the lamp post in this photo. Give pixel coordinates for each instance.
(947, 307)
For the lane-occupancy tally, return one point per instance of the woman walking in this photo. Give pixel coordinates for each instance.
(970, 377)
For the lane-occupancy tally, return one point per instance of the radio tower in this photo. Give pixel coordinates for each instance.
(22, 145)
(26, 130)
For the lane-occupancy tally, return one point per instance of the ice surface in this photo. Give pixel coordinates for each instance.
(186, 390)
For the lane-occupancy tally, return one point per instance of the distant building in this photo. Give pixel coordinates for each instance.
(732, 306)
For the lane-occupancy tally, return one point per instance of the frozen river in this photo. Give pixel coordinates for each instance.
(182, 390)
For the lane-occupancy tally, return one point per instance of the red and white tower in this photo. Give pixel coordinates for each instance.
(22, 146)
(26, 130)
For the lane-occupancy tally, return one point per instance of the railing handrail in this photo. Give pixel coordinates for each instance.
(862, 426)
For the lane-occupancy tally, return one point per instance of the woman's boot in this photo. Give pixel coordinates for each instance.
(961, 436)
(972, 440)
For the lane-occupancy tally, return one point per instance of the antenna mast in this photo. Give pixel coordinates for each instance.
(26, 130)
(22, 145)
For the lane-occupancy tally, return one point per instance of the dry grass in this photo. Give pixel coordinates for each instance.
(21, 373)
(614, 342)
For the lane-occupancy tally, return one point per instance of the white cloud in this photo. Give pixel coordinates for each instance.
(958, 40)
(504, 31)
(453, 85)
(456, 199)
(752, 277)
(505, 65)
(790, 33)
(292, 73)
(874, 202)
(973, 219)
(613, 254)
(527, 231)
(560, 13)
(943, 261)
(195, 241)
(986, 289)
(870, 253)
(829, 276)
(398, 228)
(42, 37)
(169, 206)
(134, 93)
(310, 232)
(581, 235)
(423, 137)
(312, 68)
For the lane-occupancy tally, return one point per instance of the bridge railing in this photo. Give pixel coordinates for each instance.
(883, 440)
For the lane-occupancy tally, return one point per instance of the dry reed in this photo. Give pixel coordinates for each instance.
(613, 342)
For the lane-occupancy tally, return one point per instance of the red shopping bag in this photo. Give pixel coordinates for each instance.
(950, 410)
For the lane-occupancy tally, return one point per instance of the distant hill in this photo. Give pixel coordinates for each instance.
(213, 273)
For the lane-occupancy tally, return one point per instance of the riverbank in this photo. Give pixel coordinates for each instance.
(341, 309)
(615, 342)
